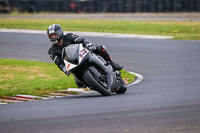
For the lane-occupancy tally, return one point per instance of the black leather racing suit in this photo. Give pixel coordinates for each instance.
(55, 51)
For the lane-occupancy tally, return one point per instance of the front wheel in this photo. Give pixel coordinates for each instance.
(91, 80)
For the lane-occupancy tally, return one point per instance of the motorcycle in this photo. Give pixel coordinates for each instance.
(92, 70)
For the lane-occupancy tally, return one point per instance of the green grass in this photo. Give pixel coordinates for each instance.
(186, 30)
(35, 78)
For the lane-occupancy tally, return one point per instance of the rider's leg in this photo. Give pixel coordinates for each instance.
(101, 50)
(78, 83)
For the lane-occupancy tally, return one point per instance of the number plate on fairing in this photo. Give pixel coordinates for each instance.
(82, 53)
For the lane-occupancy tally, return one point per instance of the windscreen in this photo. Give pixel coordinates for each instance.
(72, 52)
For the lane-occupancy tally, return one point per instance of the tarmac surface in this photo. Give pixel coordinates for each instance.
(166, 101)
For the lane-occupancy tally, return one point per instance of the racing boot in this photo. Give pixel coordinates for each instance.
(113, 64)
(116, 66)
(103, 53)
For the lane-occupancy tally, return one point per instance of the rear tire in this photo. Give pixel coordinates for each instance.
(92, 82)
(122, 88)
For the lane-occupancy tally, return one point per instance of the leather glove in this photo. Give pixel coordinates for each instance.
(66, 72)
(90, 47)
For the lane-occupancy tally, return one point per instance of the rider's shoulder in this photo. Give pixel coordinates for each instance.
(69, 35)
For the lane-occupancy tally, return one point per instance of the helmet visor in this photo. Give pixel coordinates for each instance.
(53, 36)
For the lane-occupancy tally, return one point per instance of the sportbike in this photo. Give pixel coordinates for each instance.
(92, 70)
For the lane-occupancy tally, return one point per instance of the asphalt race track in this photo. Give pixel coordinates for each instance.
(166, 101)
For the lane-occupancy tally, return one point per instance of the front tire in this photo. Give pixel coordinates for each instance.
(92, 82)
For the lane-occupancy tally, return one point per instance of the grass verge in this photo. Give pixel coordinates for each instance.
(36, 78)
(186, 30)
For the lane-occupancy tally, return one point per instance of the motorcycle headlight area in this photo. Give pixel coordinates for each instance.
(75, 61)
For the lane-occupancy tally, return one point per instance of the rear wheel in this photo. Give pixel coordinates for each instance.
(96, 84)
(122, 88)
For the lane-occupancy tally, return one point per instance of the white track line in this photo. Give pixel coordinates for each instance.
(95, 34)
(138, 80)
(2, 103)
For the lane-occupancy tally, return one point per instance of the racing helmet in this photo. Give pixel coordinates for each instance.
(55, 33)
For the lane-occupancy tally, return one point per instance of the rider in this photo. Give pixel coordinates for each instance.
(59, 41)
